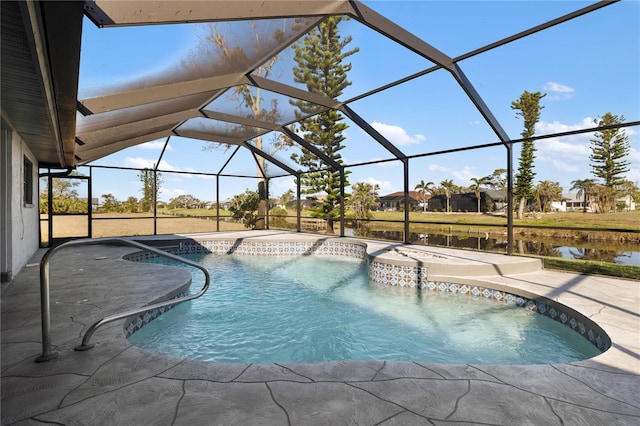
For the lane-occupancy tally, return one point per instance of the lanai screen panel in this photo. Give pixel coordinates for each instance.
(194, 155)
(191, 65)
(279, 148)
(360, 146)
(260, 104)
(377, 61)
(217, 131)
(180, 52)
(439, 123)
(442, 23)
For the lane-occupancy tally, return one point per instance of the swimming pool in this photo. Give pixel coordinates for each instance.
(319, 308)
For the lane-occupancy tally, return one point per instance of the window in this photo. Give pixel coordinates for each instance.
(27, 193)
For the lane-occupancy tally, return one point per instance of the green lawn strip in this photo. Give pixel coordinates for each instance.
(590, 267)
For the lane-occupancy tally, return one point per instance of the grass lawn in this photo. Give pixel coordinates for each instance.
(626, 224)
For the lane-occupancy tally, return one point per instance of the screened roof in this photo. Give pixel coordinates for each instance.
(201, 97)
(246, 49)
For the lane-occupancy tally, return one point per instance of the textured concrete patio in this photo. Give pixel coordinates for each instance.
(119, 384)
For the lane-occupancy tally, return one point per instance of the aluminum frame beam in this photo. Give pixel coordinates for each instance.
(105, 13)
(112, 134)
(163, 92)
(321, 155)
(293, 92)
(91, 154)
(236, 119)
(270, 159)
(367, 128)
(479, 103)
(393, 31)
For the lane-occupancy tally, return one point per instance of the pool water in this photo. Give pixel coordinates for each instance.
(314, 308)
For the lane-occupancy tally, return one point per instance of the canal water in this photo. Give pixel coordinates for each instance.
(624, 254)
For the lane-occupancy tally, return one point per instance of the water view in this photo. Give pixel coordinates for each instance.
(627, 254)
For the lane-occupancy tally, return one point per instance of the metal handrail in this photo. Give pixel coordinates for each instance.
(47, 353)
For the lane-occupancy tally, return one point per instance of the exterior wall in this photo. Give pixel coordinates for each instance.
(629, 204)
(19, 222)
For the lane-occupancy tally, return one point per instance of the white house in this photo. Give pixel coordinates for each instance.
(627, 200)
(568, 203)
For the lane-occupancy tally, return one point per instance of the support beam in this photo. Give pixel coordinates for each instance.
(236, 119)
(306, 145)
(405, 170)
(96, 122)
(194, 134)
(226, 163)
(510, 206)
(115, 133)
(88, 155)
(164, 148)
(360, 122)
(477, 100)
(107, 13)
(205, 87)
(294, 92)
(269, 158)
(342, 201)
(298, 204)
(398, 34)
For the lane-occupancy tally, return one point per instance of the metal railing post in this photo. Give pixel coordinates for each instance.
(47, 353)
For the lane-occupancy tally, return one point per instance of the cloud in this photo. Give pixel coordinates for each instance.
(391, 163)
(558, 91)
(460, 176)
(463, 176)
(569, 147)
(397, 135)
(384, 185)
(438, 168)
(138, 163)
(558, 87)
(172, 193)
(143, 163)
(154, 145)
(565, 167)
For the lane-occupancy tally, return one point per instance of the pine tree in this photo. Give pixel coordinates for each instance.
(149, 191)
(608, 150)
(529, 108)
(320, 66)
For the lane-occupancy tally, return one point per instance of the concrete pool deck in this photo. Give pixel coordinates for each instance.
(116, 383)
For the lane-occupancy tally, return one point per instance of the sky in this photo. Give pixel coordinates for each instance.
(587, 67)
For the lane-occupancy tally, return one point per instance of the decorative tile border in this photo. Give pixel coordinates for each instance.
(263, 248)
(381, 272)
(556, 311)
(134, 324)
(400, 275)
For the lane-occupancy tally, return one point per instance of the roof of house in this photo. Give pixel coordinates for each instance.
(399, 196)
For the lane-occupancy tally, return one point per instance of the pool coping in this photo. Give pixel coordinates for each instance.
(122, 383)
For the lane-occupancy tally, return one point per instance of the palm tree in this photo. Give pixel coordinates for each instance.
(424, 189)
(447, 185)
(286, 198)
(476, 187)
(583, 187)
(546, 192)
(363, 200)
(497, 180)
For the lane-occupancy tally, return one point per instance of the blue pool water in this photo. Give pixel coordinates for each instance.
(299, 309)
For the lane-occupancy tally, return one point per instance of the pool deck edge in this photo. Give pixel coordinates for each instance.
(116, 383)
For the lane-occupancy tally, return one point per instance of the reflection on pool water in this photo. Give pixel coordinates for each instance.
(315, 308)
